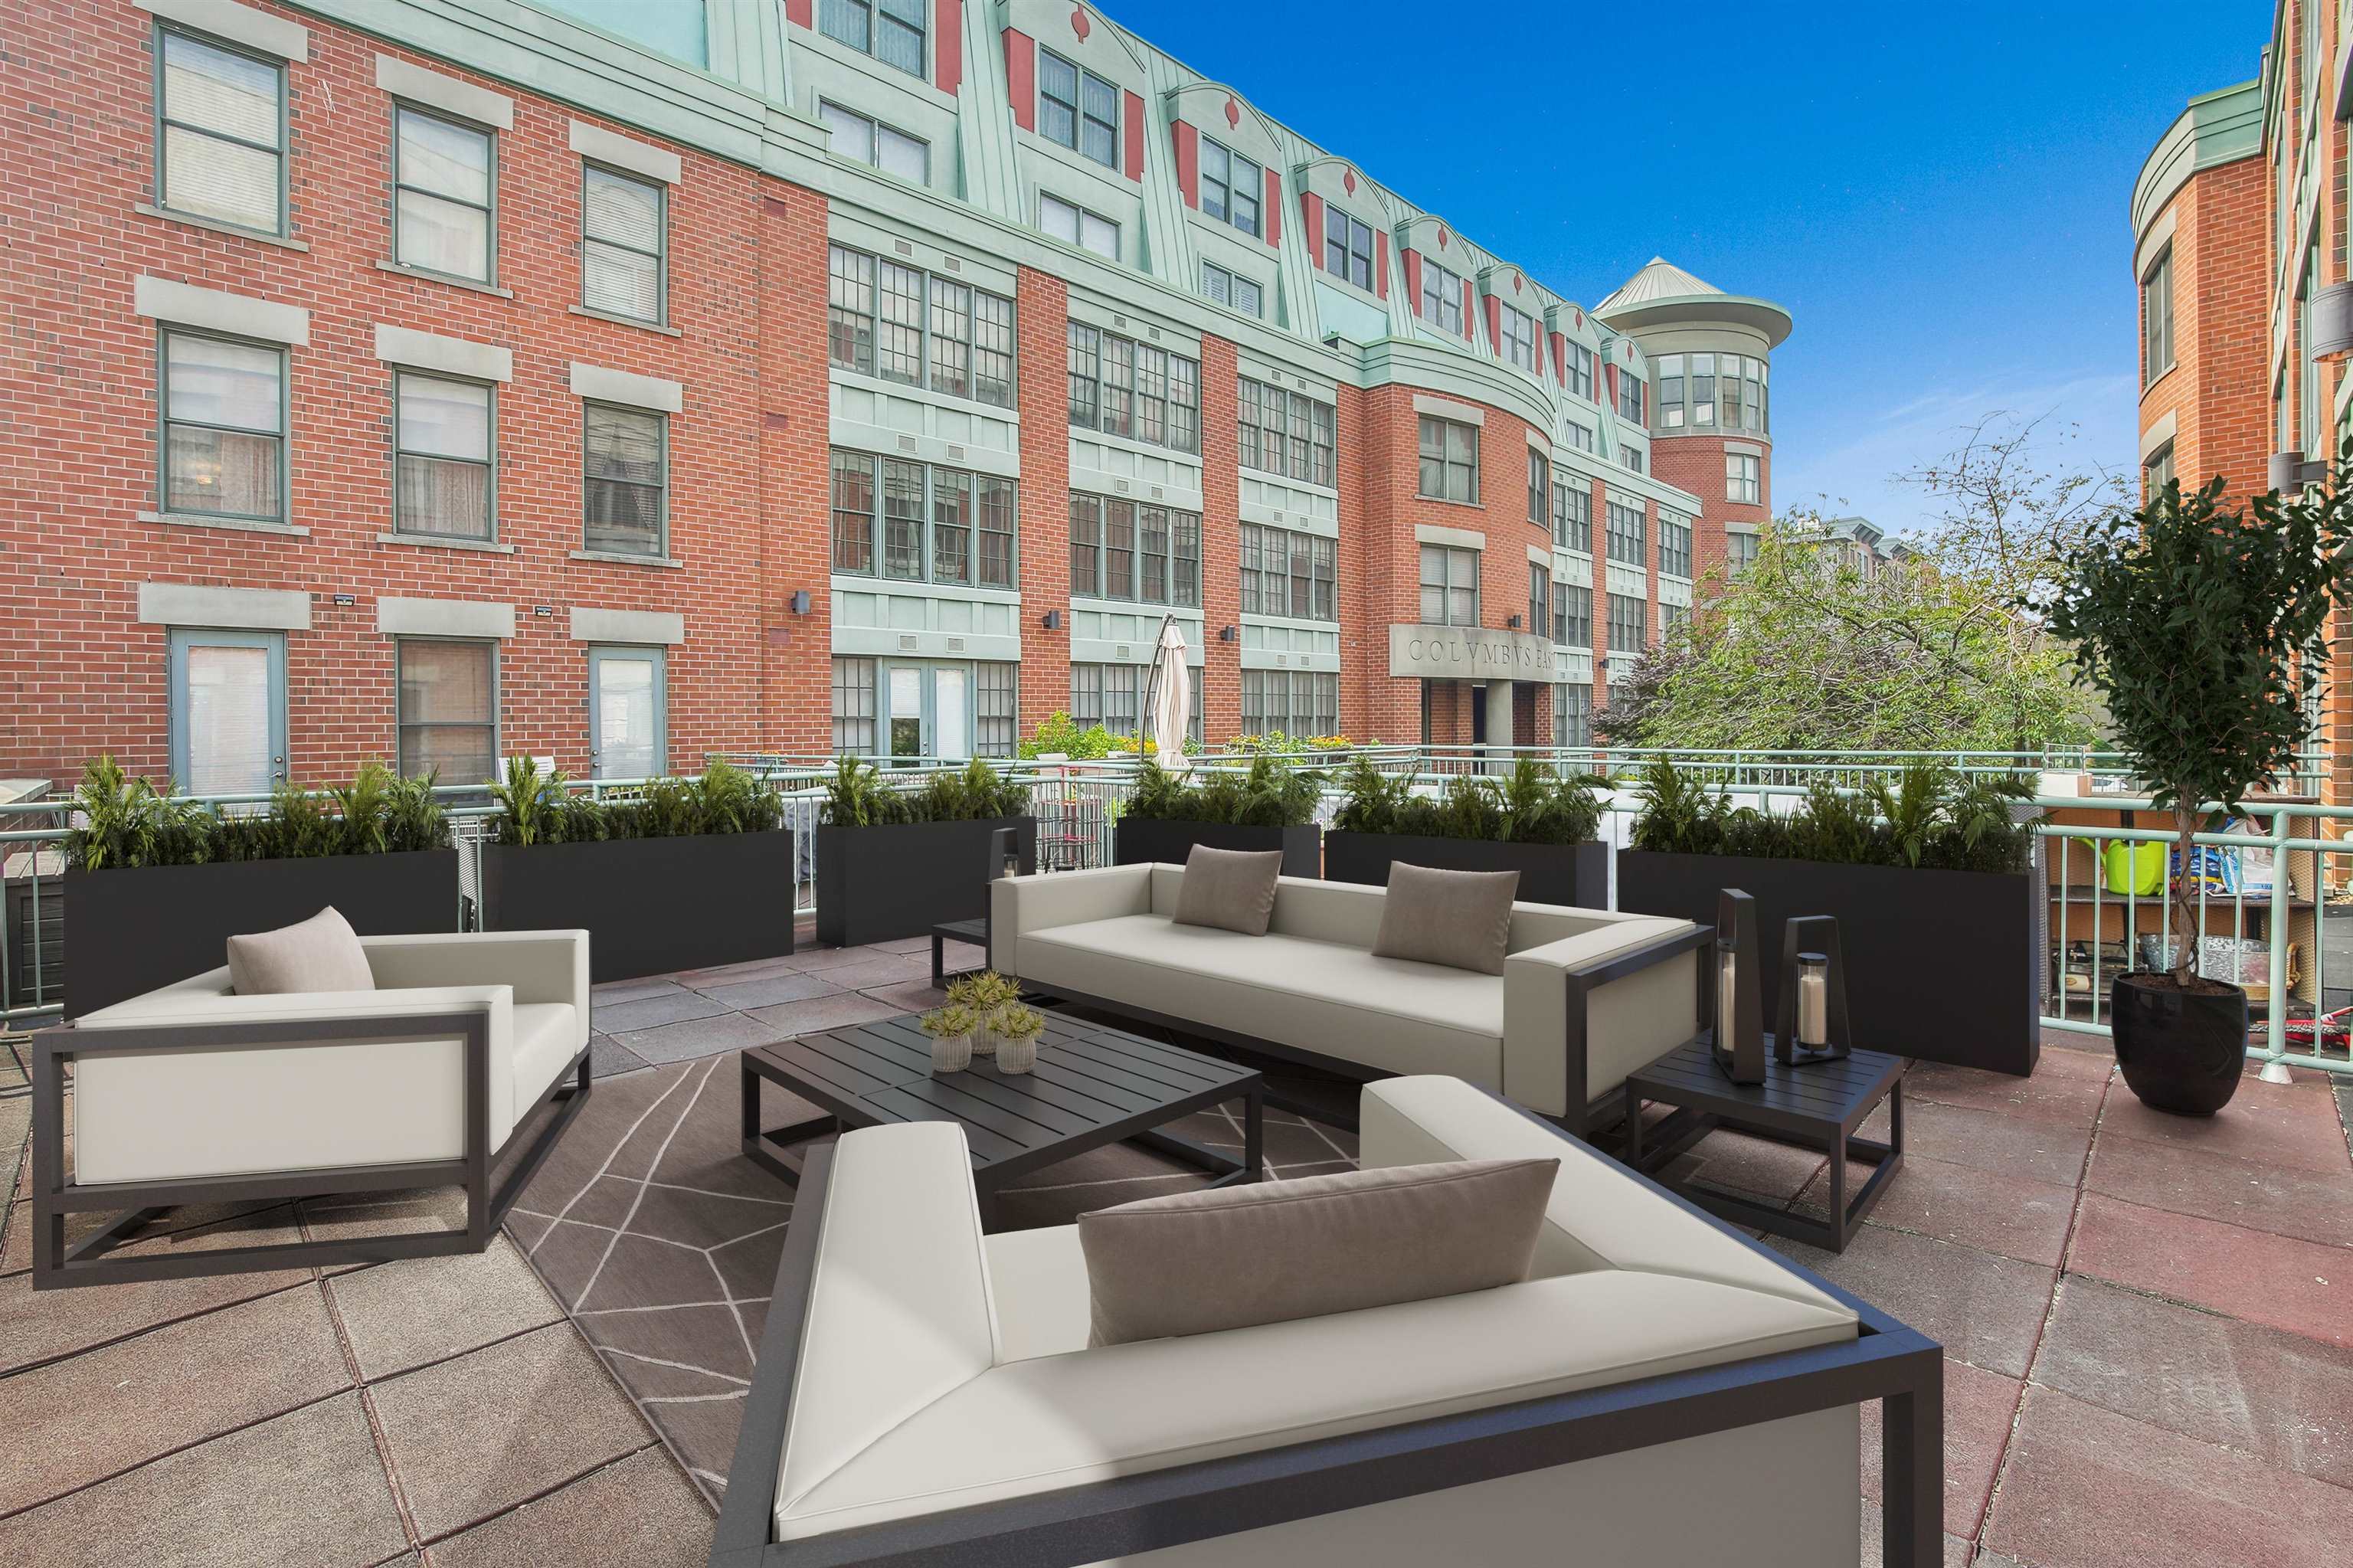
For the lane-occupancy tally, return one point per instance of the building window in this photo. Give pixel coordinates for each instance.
(1673, 617)
(1572, 615)
(1744, 477)
(1519, 337)
(444, 479)
(1674, 545)
(1110, 696)
(1580, 372)
(1441, 298)
(1572, 515)
(2157, 472)
(1231, 186)
(2157, 317)
(890, 30)
(853, 512)
(449, 717)
(1077, 226)
(1149, 555)
(1580, 436)
(1739, 550)
(221, 133)
(1625, 529)
(1126, 388)
(1630, 397)
(1347, 248)
(1627, 633)
(1450, 586)
(1300, 702)
(628, 485)
(993, 708)
(853, 707)
(622, 235)
(1539, 598)
(889, 149)
(224, 438)
(1232, 289)
(444, 177)
(904, 324)
(1289, 574)
(1572, 714)
(937, 525)
(1539, 487)
(1285, 432)
(1450, 459)
(1077, 108)
(1631, 457)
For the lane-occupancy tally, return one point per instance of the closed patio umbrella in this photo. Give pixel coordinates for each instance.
(1172, 698)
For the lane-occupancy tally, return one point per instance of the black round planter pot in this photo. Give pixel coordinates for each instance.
(2181, 1051)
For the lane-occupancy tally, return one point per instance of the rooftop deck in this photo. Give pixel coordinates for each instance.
(2148, 1321)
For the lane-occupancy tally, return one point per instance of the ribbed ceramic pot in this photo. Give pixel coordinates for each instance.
(951, 1053)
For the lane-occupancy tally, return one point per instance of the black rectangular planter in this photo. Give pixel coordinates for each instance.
(1940, 965)
(145, 927)
(1575, 875)
(878, 884)
(1143, 839)
(649, 906)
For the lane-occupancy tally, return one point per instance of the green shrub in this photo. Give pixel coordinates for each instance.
(1533, 805)
(1271, 794)
(1930, 816)
(538, 809)
(122, 821)
(857, 796)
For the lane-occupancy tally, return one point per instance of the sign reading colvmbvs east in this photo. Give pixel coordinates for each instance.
(1469, 653)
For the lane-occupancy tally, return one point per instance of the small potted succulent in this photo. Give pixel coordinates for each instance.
(1017, 1029)
(951, 1029)
(986, 995)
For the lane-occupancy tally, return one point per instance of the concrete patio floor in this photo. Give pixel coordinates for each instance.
(2148, 1325)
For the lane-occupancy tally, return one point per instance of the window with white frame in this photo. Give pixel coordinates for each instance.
(1740, 551)
(1450, 586)
(220, 122)
(2157, 472)
(1572, 615)
(1347, 248)
(1441, 298)
(624, 243)
(1300, 702)
(1744, 477)
(1518, 330)
(1143, 554)
(1539, 598)
(1289, 574)
(1572, 514)
(853, 707)
(627, 484)
(922, 522)
(1625, 529)
(1450, 459)
(1285, 432)
(1076, 226)
(1078, 110)
(443, 473)
(2157, 317)
(1628, 627)
(1674, 545)
(869, 141)
(1539, 487)
(1136, 390)
(905, 324)
(1580, 436)
(1231, 186)
(890, 30)
(1572, 714)
(1228, 288)
(445, 183)
(224, 427)
(448, 696)
(1581, 377)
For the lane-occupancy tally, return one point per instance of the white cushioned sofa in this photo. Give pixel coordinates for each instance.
(1587, 996)
(1659, 1390)
(192, 1094)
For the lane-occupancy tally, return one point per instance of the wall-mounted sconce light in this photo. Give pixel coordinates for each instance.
(801, 602)
(1513, 622)
(1224, 634)
(347, 599)
(544, 611)
(1053, 621)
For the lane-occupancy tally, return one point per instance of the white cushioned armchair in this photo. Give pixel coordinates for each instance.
(192, 1094)
(1587, 996)
(1659, 1390)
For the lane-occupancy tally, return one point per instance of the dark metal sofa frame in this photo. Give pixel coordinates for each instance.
(90, 1260)
(1100, 1520)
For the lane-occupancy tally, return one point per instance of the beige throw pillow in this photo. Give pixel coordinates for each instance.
(1227, 1257)
(1232, 889)
(322, 953)
(1459, 919)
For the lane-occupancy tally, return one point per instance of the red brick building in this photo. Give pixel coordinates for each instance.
(629, 384)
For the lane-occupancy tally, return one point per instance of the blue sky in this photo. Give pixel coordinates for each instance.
(1937, 193)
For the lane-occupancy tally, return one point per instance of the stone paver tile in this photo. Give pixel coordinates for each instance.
(2066, 1087)
(1990, 1140)
(621, 1018)
(641, 1513)
(606, 1058)
(2088, 1489)
(615, 992)
(785, 985)
(1978, 1406)
(697, 1037)
(1755, 1165)
(79, 1420)
(2016, 1216)
(473, 1437)
(820, 1013)
(403, 1314)
(2298, 1286)
(303, 1490)
(2285, 1199)
(922, 944)
(736, 973)
(350, 1216)
(17, 1255)
(2284, 1398)
(889, 969)
(2278, 1124)
(915, 996)
(1957, 1550)
(1984, 1308)
(818, 959)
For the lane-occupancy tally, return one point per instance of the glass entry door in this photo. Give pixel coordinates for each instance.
(628, 722)
(927, 711)
(906, 719)
(951, 711)
(228, 711)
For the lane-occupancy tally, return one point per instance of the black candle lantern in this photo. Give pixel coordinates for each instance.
(1004, 848)
(1810, 1025)
(1738, 1040)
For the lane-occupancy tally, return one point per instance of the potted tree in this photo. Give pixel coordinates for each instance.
(1537, 821)
(2196, 622)
(894, 861)
(1272, 806)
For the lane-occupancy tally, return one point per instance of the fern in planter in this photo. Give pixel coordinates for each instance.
(859, 797)
(1532, 806)
(1271, 794)
(1930, 818)
(121, 820)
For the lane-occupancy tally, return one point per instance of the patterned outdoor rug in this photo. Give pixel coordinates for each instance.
(662, 1240)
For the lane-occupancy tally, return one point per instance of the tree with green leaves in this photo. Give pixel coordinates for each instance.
(2192, 620)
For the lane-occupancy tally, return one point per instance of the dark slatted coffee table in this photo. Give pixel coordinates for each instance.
(1819, 1104)
(1094, 1085)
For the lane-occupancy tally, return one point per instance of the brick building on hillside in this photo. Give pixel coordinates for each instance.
(435, 379)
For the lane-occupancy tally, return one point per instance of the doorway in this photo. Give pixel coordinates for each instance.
(629, 717)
